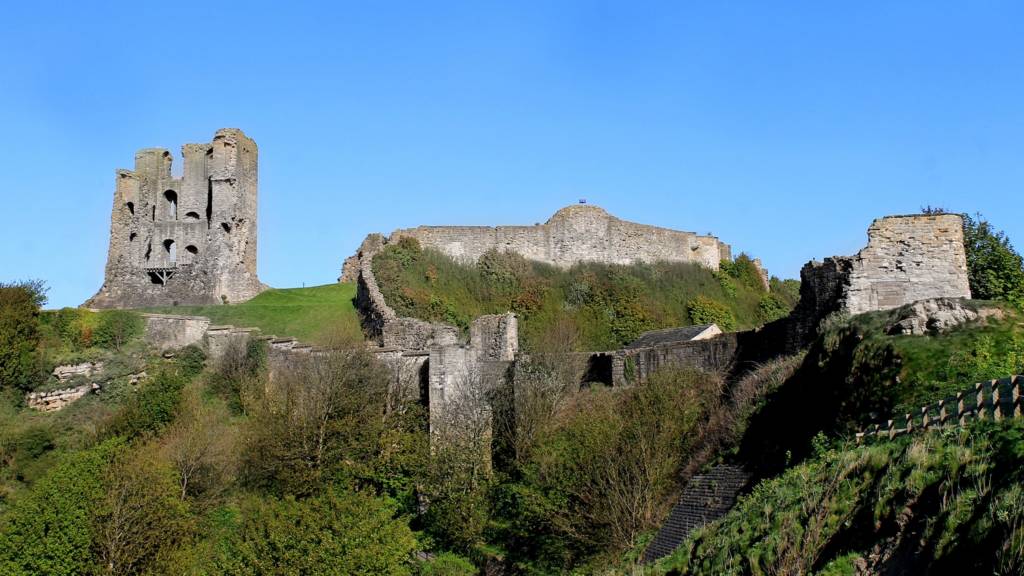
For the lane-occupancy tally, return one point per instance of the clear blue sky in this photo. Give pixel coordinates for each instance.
(784, 130)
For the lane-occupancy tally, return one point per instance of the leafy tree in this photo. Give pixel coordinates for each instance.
(339, 532)
(49, 531)
(704, 310)
(140, 517)
(995, 269)
(20, 303)
(116, 327)
(744, 270)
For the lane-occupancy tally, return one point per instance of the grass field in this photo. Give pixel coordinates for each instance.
(316, 315)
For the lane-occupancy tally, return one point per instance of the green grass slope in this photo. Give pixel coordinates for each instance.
(316, 315)
(948, 502)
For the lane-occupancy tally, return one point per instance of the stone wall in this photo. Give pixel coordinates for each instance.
(170, 332)
(462, 377)
(716, 354)
(381, 323)
(188, 240)
(579, 233)
(57, 399)
(909, 258)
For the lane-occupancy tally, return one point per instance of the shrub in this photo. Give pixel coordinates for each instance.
(115, 328)
(49, 530)
(771, 307)
(446, 564)
(704, 310)
(152, 408)
(339, 532)
(19, 332)
(744, 270)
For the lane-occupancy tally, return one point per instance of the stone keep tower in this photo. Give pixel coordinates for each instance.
(188, 240)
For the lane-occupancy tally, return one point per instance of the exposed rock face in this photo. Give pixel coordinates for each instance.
(188, 240)
(578, 233)
(932, 317)
(69, 371)
(58, 399)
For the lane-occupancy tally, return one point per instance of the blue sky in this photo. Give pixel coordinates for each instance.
(782, 129)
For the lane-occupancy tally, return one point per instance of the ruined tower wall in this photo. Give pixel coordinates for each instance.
(188, 240)
(574, 234)
(909, 258)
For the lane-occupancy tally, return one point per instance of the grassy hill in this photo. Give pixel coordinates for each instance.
(587, 307)
(317, 315)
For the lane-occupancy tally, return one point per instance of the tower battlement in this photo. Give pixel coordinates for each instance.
(188, 240)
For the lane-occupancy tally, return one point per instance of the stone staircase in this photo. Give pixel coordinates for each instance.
(706, 498)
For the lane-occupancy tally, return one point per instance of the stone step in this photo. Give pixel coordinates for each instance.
(706, 498)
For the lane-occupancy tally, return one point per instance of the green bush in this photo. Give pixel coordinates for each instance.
(115, 328)
(339, 532)
(152, 408)
(19, 333)
(446, 564)
(49, 530)
(704, 310)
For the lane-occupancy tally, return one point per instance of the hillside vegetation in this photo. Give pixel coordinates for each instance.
(316, 315)
(587, 307)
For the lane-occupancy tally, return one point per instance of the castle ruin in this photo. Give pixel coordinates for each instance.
(574, 234)
(188, 240)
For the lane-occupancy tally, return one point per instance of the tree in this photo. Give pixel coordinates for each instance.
(320, 416)
(339, 532)
(49, 531)
(201, 446)
(116, 327)
(140, 518)
(20, 303)
(995, 269)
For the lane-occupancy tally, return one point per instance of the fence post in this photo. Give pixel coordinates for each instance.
(997, 397)
(979, 401)
(909, 427)
(942, 412)
(1015, 395)
(924, 417)
(891, 426)
(960, 414)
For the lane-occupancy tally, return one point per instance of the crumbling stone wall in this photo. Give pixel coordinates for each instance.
(380, 321)
(462, 377)
(579, 233)
(909, 258)
(170, 332)
(188, 240)
(715, 354)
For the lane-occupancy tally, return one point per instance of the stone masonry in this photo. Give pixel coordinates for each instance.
(578, 233)
(188, 240)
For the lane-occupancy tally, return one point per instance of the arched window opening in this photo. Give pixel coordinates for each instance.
(172, 204)
(154, 212)
(132, 236)
(192, 250)
(131, 208)
(172, 252)
(191, 216)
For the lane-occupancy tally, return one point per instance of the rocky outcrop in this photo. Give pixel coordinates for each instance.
(68, 372)
(57, 399)
(931, 317)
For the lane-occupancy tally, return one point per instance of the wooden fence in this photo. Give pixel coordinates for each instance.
(995, 399)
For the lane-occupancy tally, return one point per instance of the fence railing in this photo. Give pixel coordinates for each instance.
(995, 399)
